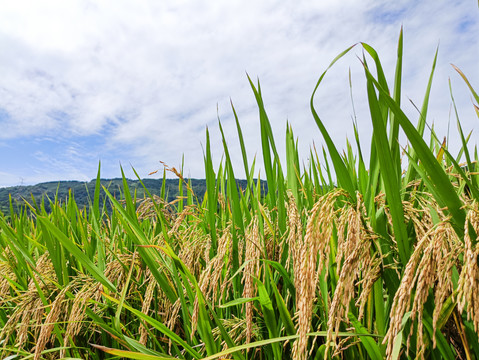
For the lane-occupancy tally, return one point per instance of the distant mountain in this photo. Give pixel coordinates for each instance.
(83, 191)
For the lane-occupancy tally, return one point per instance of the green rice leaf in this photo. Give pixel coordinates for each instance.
(211, 195)
(238, 301)
(447, 196)
(388, 175)
(279, 339)
(368, 342)
(140, 239)
(237, 214)
(269, 316)
(410, 173)
(131, 354)
(77, 253)
(159, 326)
(466, 80)
(281, 306)
(343, 176)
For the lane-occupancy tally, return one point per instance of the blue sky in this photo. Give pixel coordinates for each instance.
(138, 82)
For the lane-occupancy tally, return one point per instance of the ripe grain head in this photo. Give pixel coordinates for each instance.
(358, 265)
(58, 310)
(85, 290)
(429, 267)
(251, 270)
(211, 282)
(468, 296)
(316, 244)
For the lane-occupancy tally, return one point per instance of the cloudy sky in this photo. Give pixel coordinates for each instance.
(138, 82)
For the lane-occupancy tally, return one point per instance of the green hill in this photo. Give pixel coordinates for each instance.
(83, 191)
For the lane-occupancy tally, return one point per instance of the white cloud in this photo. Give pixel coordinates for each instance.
(148, 75)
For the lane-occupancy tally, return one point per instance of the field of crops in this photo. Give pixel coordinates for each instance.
(335, 261)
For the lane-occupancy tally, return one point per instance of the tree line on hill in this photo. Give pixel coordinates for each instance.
(83, 191)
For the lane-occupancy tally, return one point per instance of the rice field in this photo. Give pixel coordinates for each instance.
(342, 258)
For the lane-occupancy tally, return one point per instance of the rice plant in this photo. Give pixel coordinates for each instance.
(330, 261)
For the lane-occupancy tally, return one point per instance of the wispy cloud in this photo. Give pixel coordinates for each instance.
(138, 82)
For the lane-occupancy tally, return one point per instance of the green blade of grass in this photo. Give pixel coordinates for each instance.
(137, 235)
(126, 354)
(292, 166)
(368, 342)
(342, 173)
(410, 173)
(262, 343)
(394, 125)
(281, 306)
(470, 166)
(237, 214)
(466, 80)
(269, 316)
(243, 151)
(265, 144)
(211, 195)
(388, 175)
(96, 196)
(442, 344)
(130, 206)
(236, 302)
(77, 253)
(447, 196)
(202, 302)
(159, 326)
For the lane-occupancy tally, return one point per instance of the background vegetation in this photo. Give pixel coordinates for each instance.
(82, 191)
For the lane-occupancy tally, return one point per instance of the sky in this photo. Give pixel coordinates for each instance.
(133, 83)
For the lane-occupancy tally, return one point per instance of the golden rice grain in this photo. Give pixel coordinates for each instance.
(316, 243)
(251, 270)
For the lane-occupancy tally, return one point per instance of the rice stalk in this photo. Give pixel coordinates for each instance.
(193, 244)
(295, 238)
(251, 271)
(313, 258)
(211, 277)
(58, 311)
(85, 290)
(430, 267)
(29, 305)
(467, 291)
(358, 263)
(145, 308)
